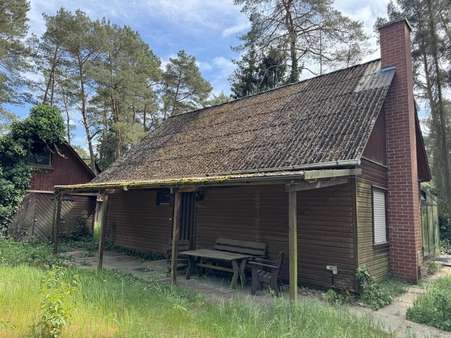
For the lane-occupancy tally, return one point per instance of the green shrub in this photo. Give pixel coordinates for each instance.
(334, 297)
(86, 243)
(445, 246)
(36, 254)
(43, 128)
(57, 289)
(434, 307)
(377, 295)
(432, 267)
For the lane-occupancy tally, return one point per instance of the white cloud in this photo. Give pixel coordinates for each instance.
(211, 14)
(224, 64)
(366, 12)
(204, 66)
(238, 28)
(222, 69)
(165, 61)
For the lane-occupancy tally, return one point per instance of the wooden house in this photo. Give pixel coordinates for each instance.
(326, 170)
(35, 214)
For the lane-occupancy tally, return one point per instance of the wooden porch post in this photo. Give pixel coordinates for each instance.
(175, 235)
(56, 220)
(293, 243)
(102, 222)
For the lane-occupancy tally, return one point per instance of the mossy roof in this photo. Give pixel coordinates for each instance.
(186, 181)
(326, 119)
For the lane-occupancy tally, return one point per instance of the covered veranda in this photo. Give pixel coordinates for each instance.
(293, 181)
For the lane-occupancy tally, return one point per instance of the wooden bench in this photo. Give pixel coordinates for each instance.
(255, 249)
(265, 271)
(246, 248)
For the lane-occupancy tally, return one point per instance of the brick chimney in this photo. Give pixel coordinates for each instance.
(403, 207)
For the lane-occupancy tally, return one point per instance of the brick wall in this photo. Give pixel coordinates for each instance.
(403, 187)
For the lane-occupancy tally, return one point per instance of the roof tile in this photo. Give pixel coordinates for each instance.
(323, 119)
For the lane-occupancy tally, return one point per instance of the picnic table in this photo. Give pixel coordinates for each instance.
(237, 260)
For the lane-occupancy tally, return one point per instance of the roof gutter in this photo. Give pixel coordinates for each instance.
(333, 164)
(311, 172)
(313, 166)
(180, 182)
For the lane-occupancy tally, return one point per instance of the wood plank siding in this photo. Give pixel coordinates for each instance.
(327, 236)
(375, 148)
(135, 221)
(34, 217)
(64, 170)
(376, 258)
(256, 213)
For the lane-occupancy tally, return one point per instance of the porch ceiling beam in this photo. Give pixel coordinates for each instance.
(175, 234)
(293, 244)
(190, 188)
(329, 173)
(318, 184)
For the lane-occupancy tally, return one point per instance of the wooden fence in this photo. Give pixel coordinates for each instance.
(430, 225)
(35, 215)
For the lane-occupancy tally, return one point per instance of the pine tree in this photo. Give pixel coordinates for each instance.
(123, 75)
(184, 88)
(244, 80)
(257, 71)
(245, 77)
(217, 99)
(311, 30)
(272, 69)
(13, 52)
(83, 43)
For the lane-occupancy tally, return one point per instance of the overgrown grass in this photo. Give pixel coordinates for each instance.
(109, 304)
(85, 243)
(33, 254)
(434, 307)
(382, 293)
(377, 294)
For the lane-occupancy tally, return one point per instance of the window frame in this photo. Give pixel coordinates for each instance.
(384, 191)
(42, 166)
(158, 194)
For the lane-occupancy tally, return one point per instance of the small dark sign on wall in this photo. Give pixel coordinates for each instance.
(163, 197)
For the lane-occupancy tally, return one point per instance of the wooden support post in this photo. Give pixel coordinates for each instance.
(175, 235)
(293, 244)
(56, 220)
(95, 219)
(102, 223)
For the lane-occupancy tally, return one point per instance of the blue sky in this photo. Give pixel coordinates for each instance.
(204, 28)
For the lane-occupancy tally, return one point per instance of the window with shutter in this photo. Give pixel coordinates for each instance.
(379, 217)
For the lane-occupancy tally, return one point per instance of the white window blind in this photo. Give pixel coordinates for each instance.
(379, 217)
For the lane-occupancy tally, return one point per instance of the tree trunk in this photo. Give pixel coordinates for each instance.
(176, 94)
(440, 107)
(53, 89)
(145, 117)
(66, 109)
(84, 116)
(294, 73)
(51, 79)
